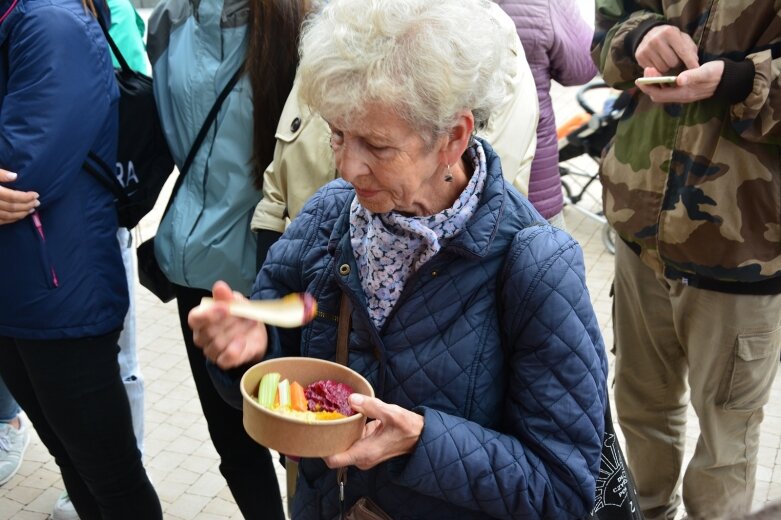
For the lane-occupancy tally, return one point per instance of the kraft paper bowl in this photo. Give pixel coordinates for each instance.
(292, 436)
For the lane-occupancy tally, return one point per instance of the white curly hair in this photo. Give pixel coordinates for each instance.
(427, 60)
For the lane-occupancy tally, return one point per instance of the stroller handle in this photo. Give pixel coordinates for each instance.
(580, 95)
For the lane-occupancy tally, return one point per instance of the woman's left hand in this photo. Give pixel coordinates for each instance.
(393, 432)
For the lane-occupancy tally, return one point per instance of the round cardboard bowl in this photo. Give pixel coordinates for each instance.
(291, 436)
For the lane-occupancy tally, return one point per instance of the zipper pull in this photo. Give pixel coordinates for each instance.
(38, 225)
(341, 478)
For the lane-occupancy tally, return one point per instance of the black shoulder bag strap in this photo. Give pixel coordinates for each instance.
(202, 134)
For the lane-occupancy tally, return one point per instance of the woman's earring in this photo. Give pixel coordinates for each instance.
(448, 175)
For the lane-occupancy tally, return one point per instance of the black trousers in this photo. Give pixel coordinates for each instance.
(72, 392)
(246, 465)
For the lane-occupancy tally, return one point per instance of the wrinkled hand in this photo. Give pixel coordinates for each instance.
(15, 205)
(393, 432)
(665, 48)
(227, 341)
(692, 85)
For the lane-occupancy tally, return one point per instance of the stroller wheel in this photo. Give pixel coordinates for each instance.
(609, 238)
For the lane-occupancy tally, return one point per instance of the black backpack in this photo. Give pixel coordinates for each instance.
(144, 161)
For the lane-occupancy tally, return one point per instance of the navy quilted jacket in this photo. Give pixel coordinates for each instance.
(494, 342)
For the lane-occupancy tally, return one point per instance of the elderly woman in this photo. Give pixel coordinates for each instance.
(470, 313)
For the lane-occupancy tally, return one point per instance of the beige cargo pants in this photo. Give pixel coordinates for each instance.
(676, 343)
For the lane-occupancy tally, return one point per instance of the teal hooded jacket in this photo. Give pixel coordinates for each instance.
(194, 49)
(127, 30)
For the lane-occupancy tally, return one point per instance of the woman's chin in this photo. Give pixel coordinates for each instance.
(375, 204)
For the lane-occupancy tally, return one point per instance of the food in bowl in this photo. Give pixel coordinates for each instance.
(322, 400)
(293, 435)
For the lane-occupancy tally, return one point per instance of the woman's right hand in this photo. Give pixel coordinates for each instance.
(15, 205)
(227, 341)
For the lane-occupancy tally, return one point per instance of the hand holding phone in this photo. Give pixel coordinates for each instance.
(690, 85)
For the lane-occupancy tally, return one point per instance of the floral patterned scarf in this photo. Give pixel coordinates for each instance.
(390, 247)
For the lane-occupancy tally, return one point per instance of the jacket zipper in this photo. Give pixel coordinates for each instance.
(44, 256)
(5, 15)
(675, 144)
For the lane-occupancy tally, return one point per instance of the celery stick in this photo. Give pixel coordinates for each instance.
(284, 393)
(268, 389)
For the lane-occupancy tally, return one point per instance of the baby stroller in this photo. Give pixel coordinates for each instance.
(581, 142)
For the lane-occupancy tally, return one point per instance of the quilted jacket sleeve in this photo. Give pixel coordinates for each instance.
(278, 276)
(283, 272)
(544, 462)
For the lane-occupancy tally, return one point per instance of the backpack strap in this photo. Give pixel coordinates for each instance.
(107, 177)
(117, 54)
(103, 173)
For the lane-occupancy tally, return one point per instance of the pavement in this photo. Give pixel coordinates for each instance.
(179, 456)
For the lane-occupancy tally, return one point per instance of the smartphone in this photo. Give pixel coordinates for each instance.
(658, 80)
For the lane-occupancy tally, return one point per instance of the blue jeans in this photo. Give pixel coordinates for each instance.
(9, 409)
(72, 392)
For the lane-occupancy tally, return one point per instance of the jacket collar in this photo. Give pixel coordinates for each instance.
(476, 238)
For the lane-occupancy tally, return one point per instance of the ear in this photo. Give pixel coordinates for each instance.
(458, 137)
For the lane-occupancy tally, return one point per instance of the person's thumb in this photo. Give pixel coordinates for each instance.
(6, 176)
(222, 291)
(369, 406)
(688, 77)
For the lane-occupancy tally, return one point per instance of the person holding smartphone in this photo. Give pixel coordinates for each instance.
(692, 186)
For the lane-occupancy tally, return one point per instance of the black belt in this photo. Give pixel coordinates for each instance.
(768, 287)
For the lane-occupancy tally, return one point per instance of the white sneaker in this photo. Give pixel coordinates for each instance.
(13, 444)
(63, 509)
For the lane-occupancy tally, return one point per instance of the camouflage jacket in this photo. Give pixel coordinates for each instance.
(697, 187)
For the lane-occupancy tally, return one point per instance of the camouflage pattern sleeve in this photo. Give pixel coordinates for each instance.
(758, 117)
(615, 20)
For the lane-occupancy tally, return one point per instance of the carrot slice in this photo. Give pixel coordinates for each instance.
(297, 398)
